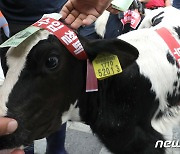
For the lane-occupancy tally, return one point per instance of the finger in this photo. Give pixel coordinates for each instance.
(64, 12)
(72, 17)
(18, 151)
(89, 20)
(78, 21)
(7, 126)
(66, 9)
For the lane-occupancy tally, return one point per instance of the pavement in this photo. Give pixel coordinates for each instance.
(79, 140)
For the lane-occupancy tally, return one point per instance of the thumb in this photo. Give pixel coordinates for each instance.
(7, 126)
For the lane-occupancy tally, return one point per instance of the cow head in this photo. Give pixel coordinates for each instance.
(43, 81)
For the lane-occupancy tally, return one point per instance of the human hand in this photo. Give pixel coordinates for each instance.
(112, 10)
(4, 24)
(8, 126)
(83, 12)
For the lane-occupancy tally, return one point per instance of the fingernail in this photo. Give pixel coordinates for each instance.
(12, 126)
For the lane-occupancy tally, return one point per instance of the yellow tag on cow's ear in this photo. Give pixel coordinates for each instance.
(106, 65)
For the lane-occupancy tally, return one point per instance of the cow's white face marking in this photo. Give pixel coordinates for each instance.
(16, 59)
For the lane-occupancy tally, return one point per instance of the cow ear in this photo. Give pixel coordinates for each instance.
(126, 53)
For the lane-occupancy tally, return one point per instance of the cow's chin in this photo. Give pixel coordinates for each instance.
(23, 137)
(17, 140)
(12, 141)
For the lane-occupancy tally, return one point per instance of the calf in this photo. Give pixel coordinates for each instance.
(129, 113)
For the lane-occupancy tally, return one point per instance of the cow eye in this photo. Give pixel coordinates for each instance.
(52, 62)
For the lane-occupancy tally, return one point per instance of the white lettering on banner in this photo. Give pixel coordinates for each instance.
(133, 21)
(135, 14)
(69, 37)
(127, 16)
(55, 25)
(177, 51)
(43, 22)
(78, 46)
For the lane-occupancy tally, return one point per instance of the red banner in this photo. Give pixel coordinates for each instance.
(67, 37)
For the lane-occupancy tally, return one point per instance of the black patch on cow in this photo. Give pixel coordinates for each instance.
(156, 19)
(177, 30)
(173, 99)
(178, 74)
(175, 84)
(159, 115)
(179, 88)
(177, 65)
(170, 58)
(124, 111)
(3, 52)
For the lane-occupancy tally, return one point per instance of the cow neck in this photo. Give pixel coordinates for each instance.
(171, 42)
(65, 35)
(70, 40)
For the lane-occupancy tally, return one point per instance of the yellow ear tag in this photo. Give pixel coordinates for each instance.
(106, 65)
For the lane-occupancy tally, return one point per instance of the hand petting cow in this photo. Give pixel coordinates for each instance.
(131, 110)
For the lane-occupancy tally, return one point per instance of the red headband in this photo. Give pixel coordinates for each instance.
(67, 37)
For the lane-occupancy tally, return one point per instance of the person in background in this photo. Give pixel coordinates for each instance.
(176, 4)
(119, 24)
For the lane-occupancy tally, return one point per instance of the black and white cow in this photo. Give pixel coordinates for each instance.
(130, 111)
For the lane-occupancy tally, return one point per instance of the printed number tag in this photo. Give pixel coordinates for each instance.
(106, 65)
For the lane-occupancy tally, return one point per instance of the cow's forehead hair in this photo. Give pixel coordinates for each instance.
(16, 59)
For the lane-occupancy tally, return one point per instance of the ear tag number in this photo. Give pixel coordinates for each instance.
(106, 65)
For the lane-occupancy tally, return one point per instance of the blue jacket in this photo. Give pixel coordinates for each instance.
(176, 4)
(29, 11)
